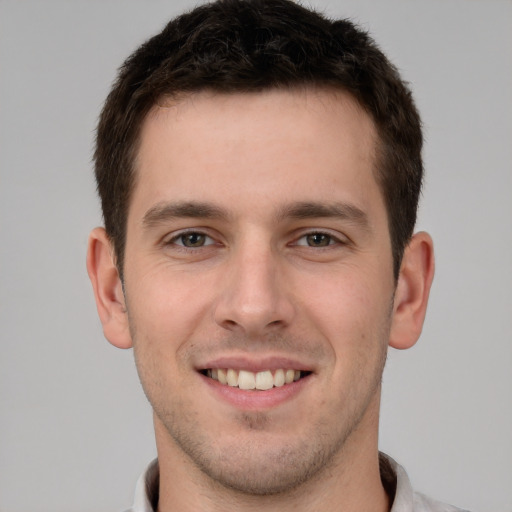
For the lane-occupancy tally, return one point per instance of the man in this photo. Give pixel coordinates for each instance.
(259, 168)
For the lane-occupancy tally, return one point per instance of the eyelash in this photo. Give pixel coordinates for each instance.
(173, 241)
(333, 240)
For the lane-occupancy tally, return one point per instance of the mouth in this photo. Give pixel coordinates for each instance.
(255, 381)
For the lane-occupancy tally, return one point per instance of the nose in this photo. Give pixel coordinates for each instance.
(253, 298)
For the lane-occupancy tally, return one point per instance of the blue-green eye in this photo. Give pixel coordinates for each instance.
(192, 239)
(316, 240)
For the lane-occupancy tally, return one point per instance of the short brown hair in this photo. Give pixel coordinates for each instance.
(252, 45)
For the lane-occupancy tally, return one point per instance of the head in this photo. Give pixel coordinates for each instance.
(259, 168)
(233, 46)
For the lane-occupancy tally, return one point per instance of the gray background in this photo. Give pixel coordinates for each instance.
(75, 429)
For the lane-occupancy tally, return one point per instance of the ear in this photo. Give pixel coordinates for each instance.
(412, 291)
(108, 290)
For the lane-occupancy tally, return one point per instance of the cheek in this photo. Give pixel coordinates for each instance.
(345, 298)
(352, 312)
(165, 308)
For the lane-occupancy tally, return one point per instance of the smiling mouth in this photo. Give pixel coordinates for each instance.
(261, 381)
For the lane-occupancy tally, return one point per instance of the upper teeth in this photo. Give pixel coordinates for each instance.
(250, 380)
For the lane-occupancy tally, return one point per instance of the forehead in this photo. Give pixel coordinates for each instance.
(275, 146)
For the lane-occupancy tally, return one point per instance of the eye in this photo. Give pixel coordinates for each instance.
(316, 240)
(191, 239)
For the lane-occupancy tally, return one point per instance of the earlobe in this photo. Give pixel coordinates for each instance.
(412, 291)
(108, 290)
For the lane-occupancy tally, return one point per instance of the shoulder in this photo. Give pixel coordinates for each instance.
(423, 503)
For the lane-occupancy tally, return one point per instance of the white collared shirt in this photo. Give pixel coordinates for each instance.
(393, 476)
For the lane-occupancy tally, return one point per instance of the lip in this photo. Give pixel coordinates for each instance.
(253, 400)
(256, 400)
(256, 364)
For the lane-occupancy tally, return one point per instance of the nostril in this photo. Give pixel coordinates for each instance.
(229, 324)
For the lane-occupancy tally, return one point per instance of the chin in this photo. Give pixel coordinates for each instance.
(258, 471)
(258, 462)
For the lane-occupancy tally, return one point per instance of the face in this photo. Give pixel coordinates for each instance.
(258, 256)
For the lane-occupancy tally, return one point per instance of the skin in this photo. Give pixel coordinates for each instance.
(290, 261)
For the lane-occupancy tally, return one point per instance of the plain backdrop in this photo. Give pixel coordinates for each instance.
(75, 428)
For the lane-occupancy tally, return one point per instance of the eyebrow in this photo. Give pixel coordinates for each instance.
(163, 212)
(314, 210)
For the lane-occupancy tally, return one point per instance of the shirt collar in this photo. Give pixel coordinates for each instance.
(147, 489)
